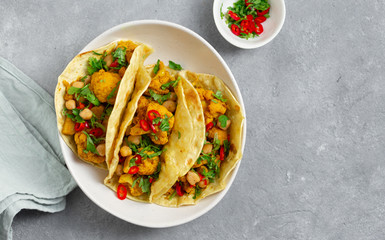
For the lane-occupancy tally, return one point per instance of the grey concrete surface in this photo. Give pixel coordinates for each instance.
(313, 166)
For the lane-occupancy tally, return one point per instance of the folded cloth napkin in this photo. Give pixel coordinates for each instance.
(32, 170)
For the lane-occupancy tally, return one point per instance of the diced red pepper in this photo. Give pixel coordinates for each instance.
(114, 63)
(259, 29)
(91, 106)
(260, 19)
(152, 114)
(121, 192)
(152, 127)
(144, 125)
(79, 127)
(235, 29)
(150, 179)
(97, 132)
(222, 153)
(234, 16)
(209, 126)
(138, 159)
(133, 170)
(261, 13)
(81, 106)
(179, 190)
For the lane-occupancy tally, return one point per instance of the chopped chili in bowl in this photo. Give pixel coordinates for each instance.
(244, 18)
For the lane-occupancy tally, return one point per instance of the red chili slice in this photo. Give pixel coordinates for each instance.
(261, 13)
(250, 17)
(245, 26)
(152, 127)
(81, 106)
(86, 124)
(133, 170)
(144, 125)
(121, 192)
(222, 153)
(138, 159)
(234, 16)
(97, 132)
(209, 126)
(91, 106)
(235, 29)
(259, 29)
(247, 3)
(114, 63)
(151, 180)
(79, 127)
(152, 114)
(179, 189)
(260, 19)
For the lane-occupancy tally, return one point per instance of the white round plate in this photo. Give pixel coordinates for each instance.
(271, 26)
(170, 42)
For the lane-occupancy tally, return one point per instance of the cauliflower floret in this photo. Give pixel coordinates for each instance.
(149, 165)
(98, 111)
(217, 108)
(208, 95)
(103, 83)
(81, 142)
(161, 77)
(136, 190)
(130, 47)
(221, 134)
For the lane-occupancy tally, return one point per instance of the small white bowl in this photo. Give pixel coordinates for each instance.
(271, 26)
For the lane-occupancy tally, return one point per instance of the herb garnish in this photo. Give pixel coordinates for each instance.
(156, 67)
(96, 64)
(219, 96)
(84, 92)
(223, 120)
(174, 66)
(159, 98)
(112, 93)
(171, 83)
(120, 54)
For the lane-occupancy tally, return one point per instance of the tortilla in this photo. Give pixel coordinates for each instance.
(235, 114)
(184, 142)
(76, 69)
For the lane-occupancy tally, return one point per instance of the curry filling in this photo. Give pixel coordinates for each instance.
(90, 100)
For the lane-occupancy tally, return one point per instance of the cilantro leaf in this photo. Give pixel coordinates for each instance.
(156, 67)
(90, 144)
(120, 54)
(219, 96)
(112, 93)
(89, 95)
(164, 124)
(172, 195)
(159, 98)
(96, 53)
(174, 66)
(95, 65)
(198, 192)
(145, 184)
(171, 83)
(73, 90)
(179, 135)
(223, 120)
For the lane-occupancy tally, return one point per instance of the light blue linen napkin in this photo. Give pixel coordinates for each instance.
(32, 171)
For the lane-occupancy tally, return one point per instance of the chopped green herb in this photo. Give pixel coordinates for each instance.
(159, 98)
(96, 53)
(145, 184)
(223, 120)
(112, 93)
(179, 135)
(215, 101)
(222, 15)
(95, 65)
(171, 83)
(120, 54)
(90, 144)
(219, 96)
(226, 145)
(172, 195)
(164, 123)
(198, 192)
(132, 162)
(156, 67)
(134, 182)
(174, 66)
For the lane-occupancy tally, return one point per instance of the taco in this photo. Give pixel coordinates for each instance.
(163, 123)
(91, 95)
(221, 151)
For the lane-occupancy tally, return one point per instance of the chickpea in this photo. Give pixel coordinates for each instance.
(170, 105)
(227, 124)
(70, 104)
(134, 139)
(125, 151)
(101, 149)
(203, 183)
(119, 170)
(108, 59)
(173, 96)
(202, 170)
(78, 84)
(192, 177)
(87, 80)
(86, 114)
(207, 148)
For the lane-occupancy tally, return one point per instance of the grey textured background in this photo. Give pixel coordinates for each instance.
(313, 166)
